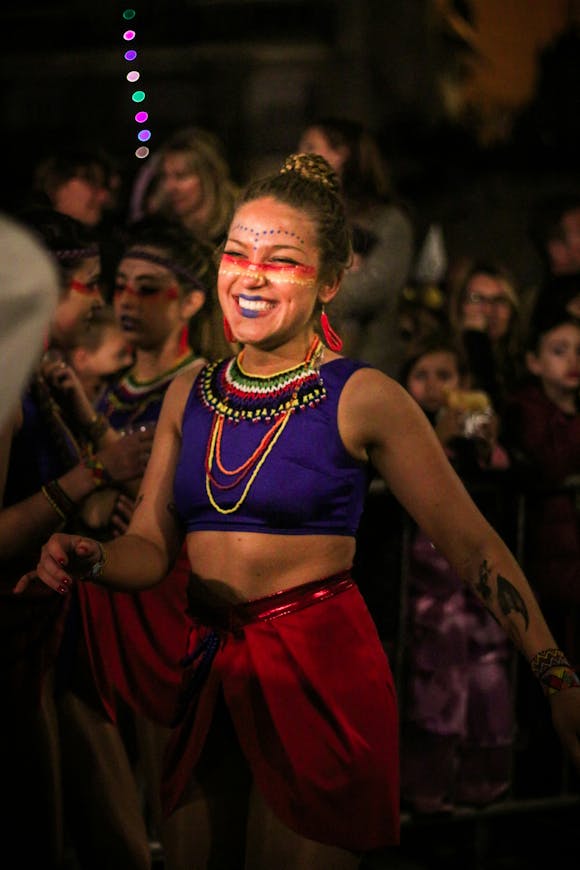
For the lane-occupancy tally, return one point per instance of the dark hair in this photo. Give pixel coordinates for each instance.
(546, 221)
(549, 313)
(67, 239)
(437, 342)
(365, 176)
(307, 183)
(94, 165)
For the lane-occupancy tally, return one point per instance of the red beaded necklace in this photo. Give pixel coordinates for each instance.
(293, 379)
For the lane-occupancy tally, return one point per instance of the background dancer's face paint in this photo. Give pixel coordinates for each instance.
(149, 302)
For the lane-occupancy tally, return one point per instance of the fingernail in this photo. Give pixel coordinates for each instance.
(61, 589)
(61, 561)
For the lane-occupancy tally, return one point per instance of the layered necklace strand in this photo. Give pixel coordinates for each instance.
(234, 395)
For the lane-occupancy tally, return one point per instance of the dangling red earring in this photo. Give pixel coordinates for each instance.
(332, 338)
(228, 331)
(184, 340)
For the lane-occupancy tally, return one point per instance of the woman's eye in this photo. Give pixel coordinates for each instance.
(285, 261)
(148, 290)
(232, 253)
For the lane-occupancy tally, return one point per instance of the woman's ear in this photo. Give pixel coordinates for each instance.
(328, 291)
(192, 303)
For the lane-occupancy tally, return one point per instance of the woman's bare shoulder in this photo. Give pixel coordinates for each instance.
(179, 390)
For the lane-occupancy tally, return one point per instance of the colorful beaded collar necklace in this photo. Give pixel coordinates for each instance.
(234, 395)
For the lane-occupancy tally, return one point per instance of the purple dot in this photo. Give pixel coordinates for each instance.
(131, 54)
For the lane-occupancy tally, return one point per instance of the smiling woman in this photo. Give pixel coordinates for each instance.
(282, 753)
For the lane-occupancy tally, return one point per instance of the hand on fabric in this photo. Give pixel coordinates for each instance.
(63, 558)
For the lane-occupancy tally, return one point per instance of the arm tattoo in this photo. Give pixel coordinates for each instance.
(509, 599)
(482, 587)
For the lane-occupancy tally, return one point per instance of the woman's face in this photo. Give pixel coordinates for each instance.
(268, 277)
(147, 301)
(486, 299)
(180, 187)
(313, 141)
(79, 300)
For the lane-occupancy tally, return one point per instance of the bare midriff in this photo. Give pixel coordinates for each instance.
(241, 566)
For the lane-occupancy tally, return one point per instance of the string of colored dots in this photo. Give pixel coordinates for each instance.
(138, 96)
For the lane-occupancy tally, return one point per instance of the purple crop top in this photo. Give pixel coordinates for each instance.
(308, 484)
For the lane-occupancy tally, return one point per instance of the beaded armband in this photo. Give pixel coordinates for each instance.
(554, 671)
(98, 471)
(58, 499)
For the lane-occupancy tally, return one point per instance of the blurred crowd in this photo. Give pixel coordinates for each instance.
(129, 268)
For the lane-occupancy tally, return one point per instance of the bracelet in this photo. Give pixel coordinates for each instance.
(97, 427)
(558, 679)
(58, 499)
(546, 659)
(96, 570)
(98, 471)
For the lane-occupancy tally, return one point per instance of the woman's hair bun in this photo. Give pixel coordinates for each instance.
(314, 168)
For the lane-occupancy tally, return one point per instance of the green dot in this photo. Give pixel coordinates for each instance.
(138, 96)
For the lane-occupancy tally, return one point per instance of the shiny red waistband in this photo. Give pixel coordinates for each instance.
(230, 617)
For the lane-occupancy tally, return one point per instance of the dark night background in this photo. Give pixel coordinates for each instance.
(476, 104)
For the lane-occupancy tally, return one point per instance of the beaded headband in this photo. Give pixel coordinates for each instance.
(180, 271)
(66, 255)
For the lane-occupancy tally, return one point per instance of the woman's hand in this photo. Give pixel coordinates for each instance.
(126, 459)
(63, 380)
(63, 558)
(566, 718)
(121, 516)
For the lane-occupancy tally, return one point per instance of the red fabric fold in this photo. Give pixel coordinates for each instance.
(312, 700)
(136, 642)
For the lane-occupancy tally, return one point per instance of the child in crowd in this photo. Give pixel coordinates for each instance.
(457, 710)
(99, 352)
(543, 432)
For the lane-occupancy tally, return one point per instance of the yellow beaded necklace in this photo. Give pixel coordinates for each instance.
(255, 461)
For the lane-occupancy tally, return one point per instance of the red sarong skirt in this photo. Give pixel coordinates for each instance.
(311, 696)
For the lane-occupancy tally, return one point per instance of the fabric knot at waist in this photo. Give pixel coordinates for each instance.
(231, 618)
(213, 623)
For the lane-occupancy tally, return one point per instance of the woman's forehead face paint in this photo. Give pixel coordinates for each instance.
(268, 234)
(275, 241)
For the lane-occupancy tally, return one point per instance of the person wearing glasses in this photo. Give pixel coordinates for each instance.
(484, 312)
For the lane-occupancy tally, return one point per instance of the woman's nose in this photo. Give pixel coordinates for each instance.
(254, 276)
